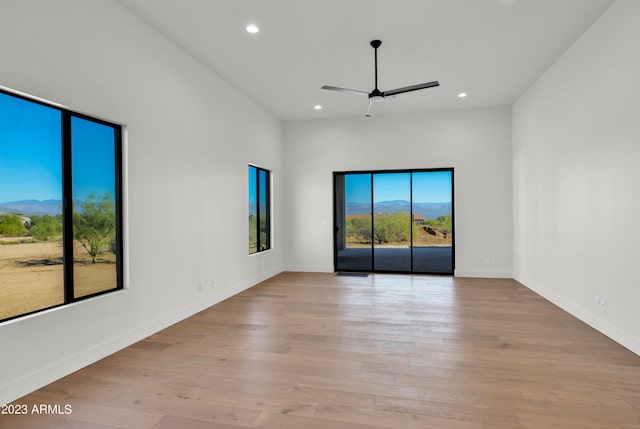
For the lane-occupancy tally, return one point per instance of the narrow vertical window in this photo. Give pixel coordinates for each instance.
(259, 210)
(94, 206)
(253, 209)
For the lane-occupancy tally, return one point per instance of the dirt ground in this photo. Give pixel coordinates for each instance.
(31, 276)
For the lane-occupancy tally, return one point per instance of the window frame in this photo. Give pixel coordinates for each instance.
(267, 191)
(67, 201)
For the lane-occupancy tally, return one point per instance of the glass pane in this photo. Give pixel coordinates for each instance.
(392, 221)
(31, 274)
(432, 222)
(253, 209)
(94, 211)
(353, 222)
(263, 227)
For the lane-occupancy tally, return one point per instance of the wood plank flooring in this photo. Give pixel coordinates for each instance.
(316, 351)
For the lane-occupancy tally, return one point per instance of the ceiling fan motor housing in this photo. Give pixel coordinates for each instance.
(376, 95)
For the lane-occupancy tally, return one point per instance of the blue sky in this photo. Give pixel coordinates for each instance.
(432, 187)
(253, 172)
(252, 184)
(92, 159)
(31, 153)
(358, 188)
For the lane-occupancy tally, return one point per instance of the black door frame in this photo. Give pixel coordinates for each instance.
(410, 171)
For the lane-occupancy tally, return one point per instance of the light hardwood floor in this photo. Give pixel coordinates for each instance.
(316, 351)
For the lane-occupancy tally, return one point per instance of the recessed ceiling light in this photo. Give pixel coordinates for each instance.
(317, 107)
(253, 29)
(462, 95)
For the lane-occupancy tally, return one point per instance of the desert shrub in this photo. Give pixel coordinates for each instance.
(12, 226)
(443, 223)
(359, 229)
(95, 225)
(394, 227)
(45, 227)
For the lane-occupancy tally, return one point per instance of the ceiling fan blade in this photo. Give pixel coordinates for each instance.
(369, 110)
(335, 88)
(410, 88)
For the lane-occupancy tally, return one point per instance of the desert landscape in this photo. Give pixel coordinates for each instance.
(31, 276)
(393, 230)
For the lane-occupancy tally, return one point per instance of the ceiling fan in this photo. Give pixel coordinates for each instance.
(376, 95)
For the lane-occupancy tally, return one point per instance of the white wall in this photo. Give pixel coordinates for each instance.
(476, 143)
(576, 138)
(190, 138)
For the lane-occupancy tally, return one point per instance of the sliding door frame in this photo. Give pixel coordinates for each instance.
(373, 173)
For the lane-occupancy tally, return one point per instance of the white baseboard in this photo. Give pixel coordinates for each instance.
(617, 334)
(35, 380)
(483, 274)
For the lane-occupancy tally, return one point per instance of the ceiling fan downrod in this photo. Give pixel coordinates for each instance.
(375, 44)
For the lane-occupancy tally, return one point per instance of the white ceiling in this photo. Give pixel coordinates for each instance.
(491, 49)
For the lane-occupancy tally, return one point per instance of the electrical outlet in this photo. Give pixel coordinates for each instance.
(596, 301)
(487, 261)
(603, 304)
(213, 282)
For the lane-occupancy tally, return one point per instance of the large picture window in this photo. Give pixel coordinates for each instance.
(60, 206)
(259, 210)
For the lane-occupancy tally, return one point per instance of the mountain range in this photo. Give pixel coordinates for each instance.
(427, 210)
(32, 207)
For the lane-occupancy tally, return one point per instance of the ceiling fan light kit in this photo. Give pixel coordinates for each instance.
(376, 95)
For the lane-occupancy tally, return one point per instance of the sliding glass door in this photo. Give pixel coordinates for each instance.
(353, 209)
(394, 221)
(431, 206)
